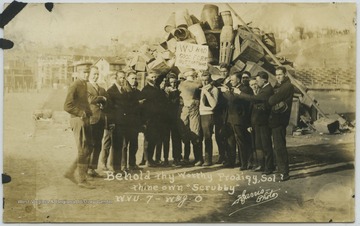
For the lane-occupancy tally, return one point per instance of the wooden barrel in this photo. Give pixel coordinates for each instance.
(210, 16)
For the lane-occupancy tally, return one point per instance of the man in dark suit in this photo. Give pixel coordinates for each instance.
(260, 118)
(97, 98)
(117, 118)
(77, 105)
(133, 121)
(281, 103)
(173, 97)
(239, 119)
(154, 113)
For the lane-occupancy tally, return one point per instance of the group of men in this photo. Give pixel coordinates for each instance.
(187, 109)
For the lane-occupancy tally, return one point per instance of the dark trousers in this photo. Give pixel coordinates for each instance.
(106, 148)
(281, 153)
(117, 148)
(220, 140)
(207, 125)
(97, 132)
(187, 150)
(154, 136)
(171, 130)
(240, 137)
(197, 149)
(264, 143)
(82, 133)
(130, 147)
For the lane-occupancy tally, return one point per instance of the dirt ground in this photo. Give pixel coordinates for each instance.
(36, 154)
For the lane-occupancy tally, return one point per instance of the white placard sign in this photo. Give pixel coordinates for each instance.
(191, 56)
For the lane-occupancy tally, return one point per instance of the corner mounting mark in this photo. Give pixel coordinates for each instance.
(10, 12)
(6, 44)
(5, 178)
(49, 6)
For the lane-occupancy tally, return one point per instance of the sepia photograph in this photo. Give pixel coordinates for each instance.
(219, 112)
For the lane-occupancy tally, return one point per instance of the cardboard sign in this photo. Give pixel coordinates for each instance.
(191, 56)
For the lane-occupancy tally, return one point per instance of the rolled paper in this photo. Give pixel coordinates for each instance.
(198, 33)
(227, 18)
(170, 23)
(182, 18)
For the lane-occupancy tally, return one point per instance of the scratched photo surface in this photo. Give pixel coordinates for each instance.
(53, 43)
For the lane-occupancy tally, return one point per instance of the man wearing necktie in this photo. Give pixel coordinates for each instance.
(260, 120)
(97, 98)
(238, 117)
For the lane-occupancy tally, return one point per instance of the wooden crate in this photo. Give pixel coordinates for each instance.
(250, 51)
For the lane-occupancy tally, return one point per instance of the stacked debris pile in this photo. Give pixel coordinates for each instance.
(237, 48)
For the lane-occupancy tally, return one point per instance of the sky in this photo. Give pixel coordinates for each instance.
(94, 24)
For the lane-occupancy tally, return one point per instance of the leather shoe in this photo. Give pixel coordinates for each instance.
(135, 167)
(228, 165)
(220, 161)
(71, 177)
(243, 168)
(199, 163)
(258, 169)
(267, 172)
(94, 174)
(207, 164)
(86, 185)
(151, 164)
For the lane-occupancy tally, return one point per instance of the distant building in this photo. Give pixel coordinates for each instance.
(18, 74)
(53, 70)
(108, 66)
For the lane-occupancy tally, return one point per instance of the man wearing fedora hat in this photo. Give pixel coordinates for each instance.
(77, 105)
(281, 103)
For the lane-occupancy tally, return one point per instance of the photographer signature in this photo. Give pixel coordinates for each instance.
(262, 196)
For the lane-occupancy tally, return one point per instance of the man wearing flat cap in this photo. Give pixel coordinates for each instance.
(260, 113)
(77, 105)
